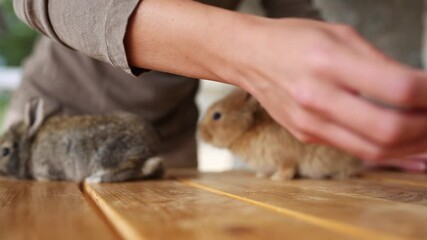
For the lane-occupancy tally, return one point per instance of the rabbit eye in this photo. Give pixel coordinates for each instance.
(5, 152)
(216, 116)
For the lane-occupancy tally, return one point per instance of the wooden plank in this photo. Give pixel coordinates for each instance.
(404, 179)
(359, 188)
(171, 210)
(48, 210)
(362, 217)
(368, 189)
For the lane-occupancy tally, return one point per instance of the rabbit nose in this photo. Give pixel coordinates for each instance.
(205, 135)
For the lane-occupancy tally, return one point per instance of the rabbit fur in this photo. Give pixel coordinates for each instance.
(92, 148)
(239, 123)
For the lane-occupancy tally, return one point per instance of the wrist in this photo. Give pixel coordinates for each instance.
(246, 51)
(223, 41)
(237, 55)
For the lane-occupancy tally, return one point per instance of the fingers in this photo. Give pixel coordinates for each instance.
(338, 118)
(419, 157)
(369, 73)
(381, 126)
(308, 127)
(317, 94)
(323, 112)
(404, 150)
(405, 164)
(313, 128)
(281, 113)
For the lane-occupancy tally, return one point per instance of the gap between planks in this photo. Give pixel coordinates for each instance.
(121, 227)
(99, 212)
(126, 231)
(176, 200)
(328, 224)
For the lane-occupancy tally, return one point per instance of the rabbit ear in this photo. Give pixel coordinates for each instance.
(34, 116)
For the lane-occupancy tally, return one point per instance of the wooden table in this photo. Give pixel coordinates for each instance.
(232, 205)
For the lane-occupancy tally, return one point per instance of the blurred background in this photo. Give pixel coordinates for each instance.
(395, 26)
(16, 42)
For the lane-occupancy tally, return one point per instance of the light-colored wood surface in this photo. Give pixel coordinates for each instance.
(358, 214)
(371, 207)
(232, 205)
(403, 179)
(43, 210)
(172, 210)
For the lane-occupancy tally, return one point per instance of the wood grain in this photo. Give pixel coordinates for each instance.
(369, 187)
(398, 178)
(234, 205)
(361, 216)
(171, 210)
(48, 210)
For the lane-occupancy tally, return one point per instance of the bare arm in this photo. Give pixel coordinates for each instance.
(307, 74)
(186, 38)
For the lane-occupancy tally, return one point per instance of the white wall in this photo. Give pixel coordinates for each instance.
(9, 78)
(210, 158)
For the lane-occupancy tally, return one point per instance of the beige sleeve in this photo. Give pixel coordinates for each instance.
(95, 28)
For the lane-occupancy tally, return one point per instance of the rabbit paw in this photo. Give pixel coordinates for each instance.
(282, 175)
(43, 179)
(93, 179)
(153, 168)
(96, 178)
(116, 175)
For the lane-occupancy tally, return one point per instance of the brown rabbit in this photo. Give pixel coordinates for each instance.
(93, 148)
(239, 123)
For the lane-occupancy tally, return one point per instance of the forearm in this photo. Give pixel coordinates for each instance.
(188, 38)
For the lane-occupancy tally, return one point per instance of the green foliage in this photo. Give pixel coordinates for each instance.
(4, 99)
(16, 38)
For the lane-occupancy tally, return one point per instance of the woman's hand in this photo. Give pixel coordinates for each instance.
(316, 78)
(313, 77)
(412, 164)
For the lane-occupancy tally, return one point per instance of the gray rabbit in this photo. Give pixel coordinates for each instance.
(91, 148)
